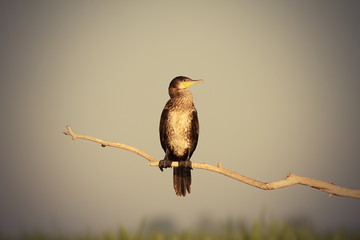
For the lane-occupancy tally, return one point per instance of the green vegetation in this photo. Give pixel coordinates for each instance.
(258, 230)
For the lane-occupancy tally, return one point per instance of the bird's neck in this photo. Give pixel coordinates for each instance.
(181, 96)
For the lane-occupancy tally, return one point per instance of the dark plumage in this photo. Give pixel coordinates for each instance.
(179, 132)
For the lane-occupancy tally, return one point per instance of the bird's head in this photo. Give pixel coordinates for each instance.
(182, 82)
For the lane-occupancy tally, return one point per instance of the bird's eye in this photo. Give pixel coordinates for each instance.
(184, 80)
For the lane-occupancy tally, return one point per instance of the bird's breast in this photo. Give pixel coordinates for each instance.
(179, 131)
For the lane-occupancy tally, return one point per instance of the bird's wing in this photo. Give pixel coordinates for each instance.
(164, 139)
(194, 131)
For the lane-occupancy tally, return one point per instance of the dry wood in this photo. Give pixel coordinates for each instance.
(291, 179)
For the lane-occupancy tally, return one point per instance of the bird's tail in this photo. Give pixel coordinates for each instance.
(182, 180)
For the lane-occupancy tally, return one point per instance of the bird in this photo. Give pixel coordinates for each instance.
(179, 132)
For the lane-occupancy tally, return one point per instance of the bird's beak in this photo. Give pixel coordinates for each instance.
(189, 82)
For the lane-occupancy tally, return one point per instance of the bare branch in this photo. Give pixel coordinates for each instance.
(291, 179)
(110, 144)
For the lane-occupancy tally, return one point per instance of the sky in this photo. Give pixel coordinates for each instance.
(281, 94)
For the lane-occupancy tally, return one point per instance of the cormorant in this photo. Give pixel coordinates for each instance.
(179, 132)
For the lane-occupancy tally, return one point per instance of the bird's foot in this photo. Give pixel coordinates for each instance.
(164, 164)
(185, 164)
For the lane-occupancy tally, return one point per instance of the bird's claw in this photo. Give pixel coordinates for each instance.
(164, 164)
(185, 164)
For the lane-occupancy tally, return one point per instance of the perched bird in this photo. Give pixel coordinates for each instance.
(179, 132)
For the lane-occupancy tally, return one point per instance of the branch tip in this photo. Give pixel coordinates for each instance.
(70, 132)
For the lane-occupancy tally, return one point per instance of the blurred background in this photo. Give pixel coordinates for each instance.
(281, 94)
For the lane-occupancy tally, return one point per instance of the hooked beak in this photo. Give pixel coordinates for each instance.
(190, 82)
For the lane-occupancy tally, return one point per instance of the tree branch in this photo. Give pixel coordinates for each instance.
(289, 180)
